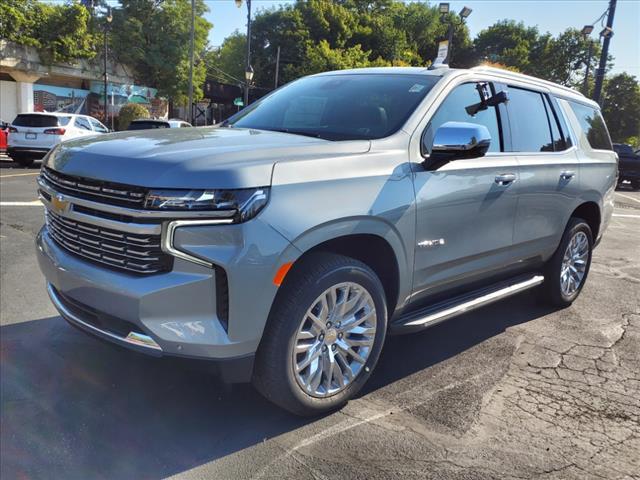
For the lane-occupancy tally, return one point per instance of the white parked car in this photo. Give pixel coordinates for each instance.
(32, 135)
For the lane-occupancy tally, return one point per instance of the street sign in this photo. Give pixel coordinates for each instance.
(238, 102)
(443, 49)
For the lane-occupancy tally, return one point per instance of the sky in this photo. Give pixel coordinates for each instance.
(553, 16)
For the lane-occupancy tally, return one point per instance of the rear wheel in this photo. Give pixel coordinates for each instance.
(635, 185)
(566, 272)
(324, 335)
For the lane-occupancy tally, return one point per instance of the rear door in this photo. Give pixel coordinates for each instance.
(82, 127)
(549, 171)
(97, 126)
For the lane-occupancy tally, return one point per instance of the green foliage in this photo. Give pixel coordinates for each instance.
(317, 35)
(153, 37)
(227, 63)
(621, 107)
(129, 113)
(560, 59)
(61, 33)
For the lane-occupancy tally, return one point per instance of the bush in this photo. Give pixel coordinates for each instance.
(130, 112)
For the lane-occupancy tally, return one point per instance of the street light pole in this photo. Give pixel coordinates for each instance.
(586, 31)
(191, 48)
(248, 59)
(443, 8)
(108, 20)
(607, 33)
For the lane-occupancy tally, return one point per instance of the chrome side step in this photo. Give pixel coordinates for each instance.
(448, 309)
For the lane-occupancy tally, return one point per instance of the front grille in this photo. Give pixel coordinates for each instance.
(119, 250)
(103, 192)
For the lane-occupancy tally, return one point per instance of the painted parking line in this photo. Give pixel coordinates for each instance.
(34, 203)
(628, 197)
(622, 215)
(19, 174)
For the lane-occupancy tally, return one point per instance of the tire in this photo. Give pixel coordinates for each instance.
(635, 185)
(23, 161)
(276, 368)
(559, 293)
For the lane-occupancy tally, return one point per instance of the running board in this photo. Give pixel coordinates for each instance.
(447, 309)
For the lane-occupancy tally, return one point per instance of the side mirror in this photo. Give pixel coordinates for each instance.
(458, 140)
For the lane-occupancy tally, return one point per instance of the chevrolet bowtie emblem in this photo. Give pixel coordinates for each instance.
(59, 204)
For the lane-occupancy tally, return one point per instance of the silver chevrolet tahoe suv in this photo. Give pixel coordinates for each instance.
(286, 243)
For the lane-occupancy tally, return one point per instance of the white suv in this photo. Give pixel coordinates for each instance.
(32, 135)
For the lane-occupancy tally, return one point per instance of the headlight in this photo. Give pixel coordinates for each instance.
(242, 203)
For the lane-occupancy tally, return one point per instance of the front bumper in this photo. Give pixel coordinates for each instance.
(173, 313)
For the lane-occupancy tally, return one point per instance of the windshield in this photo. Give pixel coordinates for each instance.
(339, 107)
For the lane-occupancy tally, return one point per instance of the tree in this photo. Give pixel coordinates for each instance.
(621, 107)
(130, 112)
(60, 33)
(227, 63)
(153, 36)
(317, 35)
(560, 59)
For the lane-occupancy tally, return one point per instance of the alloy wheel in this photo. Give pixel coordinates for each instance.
(334, 340)
(574, 264)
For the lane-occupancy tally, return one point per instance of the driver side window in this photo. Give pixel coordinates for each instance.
(453, 109)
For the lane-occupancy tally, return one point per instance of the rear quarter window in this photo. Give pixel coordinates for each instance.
(592, 125)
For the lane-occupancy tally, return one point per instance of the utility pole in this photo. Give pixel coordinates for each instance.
(191, 48)
(607, 33)
(248, 59)
(108, 19)
(277, 67)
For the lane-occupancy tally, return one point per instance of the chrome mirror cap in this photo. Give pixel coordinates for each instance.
(461, 140)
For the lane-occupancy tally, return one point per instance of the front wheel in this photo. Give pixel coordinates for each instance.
(324, 335)
(566, 272)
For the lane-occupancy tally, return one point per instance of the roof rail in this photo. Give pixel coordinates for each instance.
(522, 76)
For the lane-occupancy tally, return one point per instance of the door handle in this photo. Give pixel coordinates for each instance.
(505, 179)
(567, 175)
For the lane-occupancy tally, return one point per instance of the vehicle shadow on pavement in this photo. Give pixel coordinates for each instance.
(75, 407)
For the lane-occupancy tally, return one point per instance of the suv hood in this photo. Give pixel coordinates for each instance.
(191, 157)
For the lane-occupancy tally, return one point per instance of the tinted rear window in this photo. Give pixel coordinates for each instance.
(530, 127)
(136, 125)
(592, 125)
(40, 121)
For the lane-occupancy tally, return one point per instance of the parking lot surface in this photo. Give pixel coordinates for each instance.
(514, 390)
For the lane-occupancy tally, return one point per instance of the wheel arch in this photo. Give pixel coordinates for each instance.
(371, 241)
(590, 212)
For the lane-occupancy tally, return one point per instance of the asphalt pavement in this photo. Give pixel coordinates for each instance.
(514, 390)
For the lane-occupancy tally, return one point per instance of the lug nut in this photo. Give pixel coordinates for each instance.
(328, 324)
(324, 348)
(340, 335)
(333, 347)
(321, 337)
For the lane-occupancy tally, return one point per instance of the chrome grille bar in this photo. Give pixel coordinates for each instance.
(125, 251)
(105, 192)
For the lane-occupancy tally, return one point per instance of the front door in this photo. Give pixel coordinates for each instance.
(465, 208)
